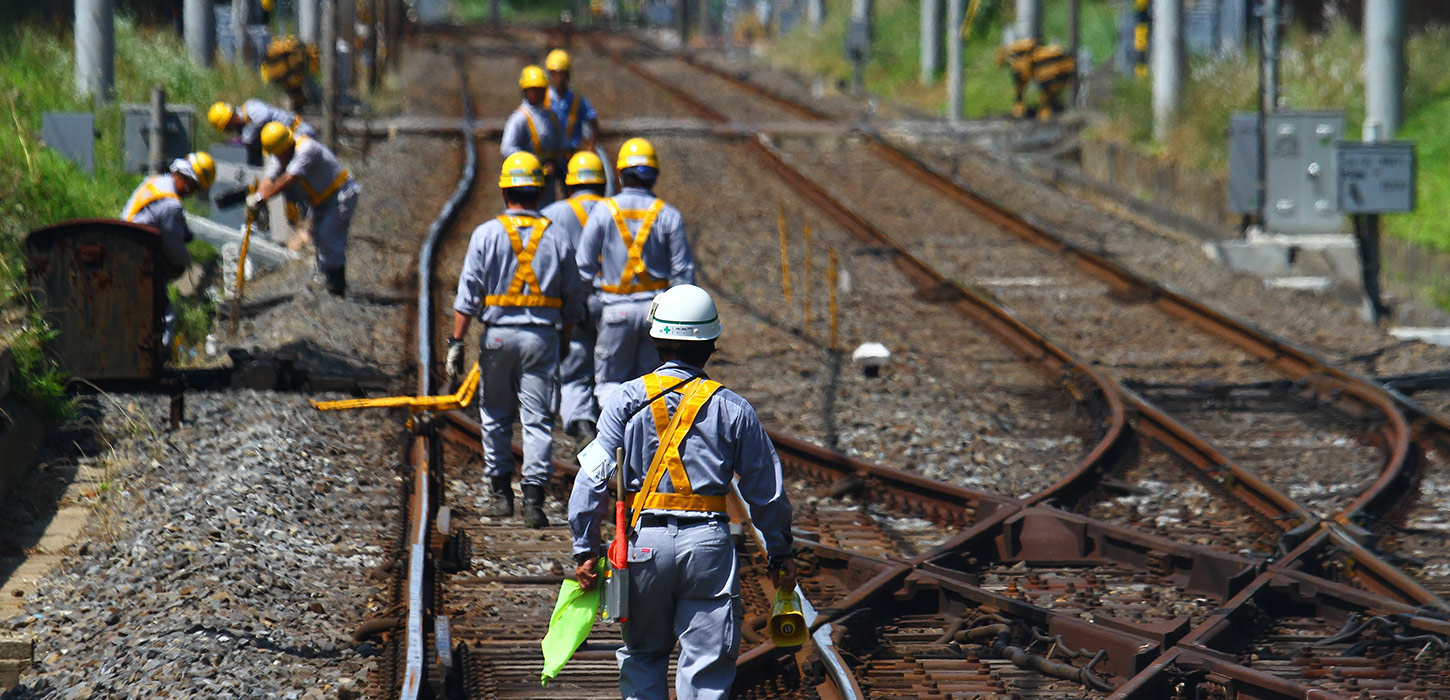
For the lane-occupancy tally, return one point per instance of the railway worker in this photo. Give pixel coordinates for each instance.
(636, 244)
(573, 113)
(157, 202)
(531, 128)
(519, 280)
(685, 438)
(308, 172)
(584, 181)
(248, 121)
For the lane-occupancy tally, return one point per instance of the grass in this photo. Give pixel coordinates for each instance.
(894, 66)
(37, 186)
(527, 11)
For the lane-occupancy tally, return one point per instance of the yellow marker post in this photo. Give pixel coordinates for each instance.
(807, 285)
(414, 404)
(241, 280)
(831, 277)
(784, 254)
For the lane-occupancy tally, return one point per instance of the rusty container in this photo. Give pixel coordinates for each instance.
(100, 286)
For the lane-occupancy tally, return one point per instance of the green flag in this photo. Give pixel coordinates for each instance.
(573, 617)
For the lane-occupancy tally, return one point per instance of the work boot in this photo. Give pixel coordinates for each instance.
(534, 507)
(336, 281)
(502, 503)
(583, 429)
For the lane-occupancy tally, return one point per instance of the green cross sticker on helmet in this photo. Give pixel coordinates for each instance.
(685, 312)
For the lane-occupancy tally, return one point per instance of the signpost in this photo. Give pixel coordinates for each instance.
(1373, 178)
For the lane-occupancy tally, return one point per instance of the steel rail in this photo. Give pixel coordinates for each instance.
(425, 445)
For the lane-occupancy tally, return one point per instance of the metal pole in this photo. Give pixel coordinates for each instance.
(1074, 38)
(1270, 20)
(1384, 66)
(682, 8)
(241, 10)
(1167, 64)
(954, 60)
(347, 42)
(374, 27)
(95, 39)
(158, 130)
(1029, 19)
(930, 40)
(328, 48)
(309, 20)
(199, 24)
(495, 13)
(815, 13)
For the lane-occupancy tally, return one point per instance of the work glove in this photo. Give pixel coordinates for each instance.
(254, 203)
(455, 358)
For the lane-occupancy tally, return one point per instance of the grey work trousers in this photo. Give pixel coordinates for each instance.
(330, 223)
(519, 365)
(623, 349)
(683, 585)
(576, 371)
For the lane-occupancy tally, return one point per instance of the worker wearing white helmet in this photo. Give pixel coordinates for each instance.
(685, 438)
(248, 119)
(585, 182)
(519, 280)
(573, 113)
(637, 246)
(308, 172)
(531, 129)
(157, 202)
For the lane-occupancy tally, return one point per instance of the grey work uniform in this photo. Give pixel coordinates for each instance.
(623, 349)
(155, 203)
(683, 569)
(325, 186)
(576, 370)
(532, 129)
(256, 114)
(521, 309)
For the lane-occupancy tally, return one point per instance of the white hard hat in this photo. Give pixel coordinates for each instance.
(685, 312)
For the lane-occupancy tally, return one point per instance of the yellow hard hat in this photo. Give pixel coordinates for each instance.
(558, 60)
(220, 115)
(267, 5)
(636, 152)
(533, 77)
(276, 138)
(204, 167)
(585, 168)
(521, 169)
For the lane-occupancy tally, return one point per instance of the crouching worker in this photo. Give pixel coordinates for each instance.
(157, 203)
(685, 437)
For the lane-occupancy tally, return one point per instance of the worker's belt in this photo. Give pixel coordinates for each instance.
(682, 521)
(672, 431)
(524, 274)
(152, 194)
(634, 278)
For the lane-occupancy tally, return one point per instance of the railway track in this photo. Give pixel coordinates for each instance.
(926, 589)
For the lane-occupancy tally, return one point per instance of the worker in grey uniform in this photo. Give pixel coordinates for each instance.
(531, 129)
(519, 279)
(249, 119)
(157, 203)
(573, 112)
(637, 245)
(307, 171)
(585, 181)
(685, 438)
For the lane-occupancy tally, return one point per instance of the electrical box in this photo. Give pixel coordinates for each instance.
(1299, 178)
(858, 41)
(1243, 163)
(73, 135)
(1375, 178)
(177, 131)
(231, 173)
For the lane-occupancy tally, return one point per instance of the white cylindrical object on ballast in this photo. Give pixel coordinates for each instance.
(95, 42)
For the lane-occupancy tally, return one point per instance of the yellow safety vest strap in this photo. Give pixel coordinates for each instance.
(319, 197)
(573, 114)
(577, 204)
(635, 278)
(524, 274)
(153, 193)
(667, 456)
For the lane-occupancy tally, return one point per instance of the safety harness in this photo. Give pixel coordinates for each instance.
(152, 194)
(672, 431)
(635, 278)
(577, 204)
(534, 136)
(573, 115)
(515, 295)
(319, 197)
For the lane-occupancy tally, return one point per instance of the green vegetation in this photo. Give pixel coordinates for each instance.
(527, 11)
(894, 68)
(39, 187)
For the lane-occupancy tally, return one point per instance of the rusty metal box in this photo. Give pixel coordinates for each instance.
(98, 285)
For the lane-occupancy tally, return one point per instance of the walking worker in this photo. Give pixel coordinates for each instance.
(531, 128)
(573, 113)
(685, 437)
(308, 172)
(519, 280)
(636, 244)
(157, 202)
(249, 120)
(585, 182)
